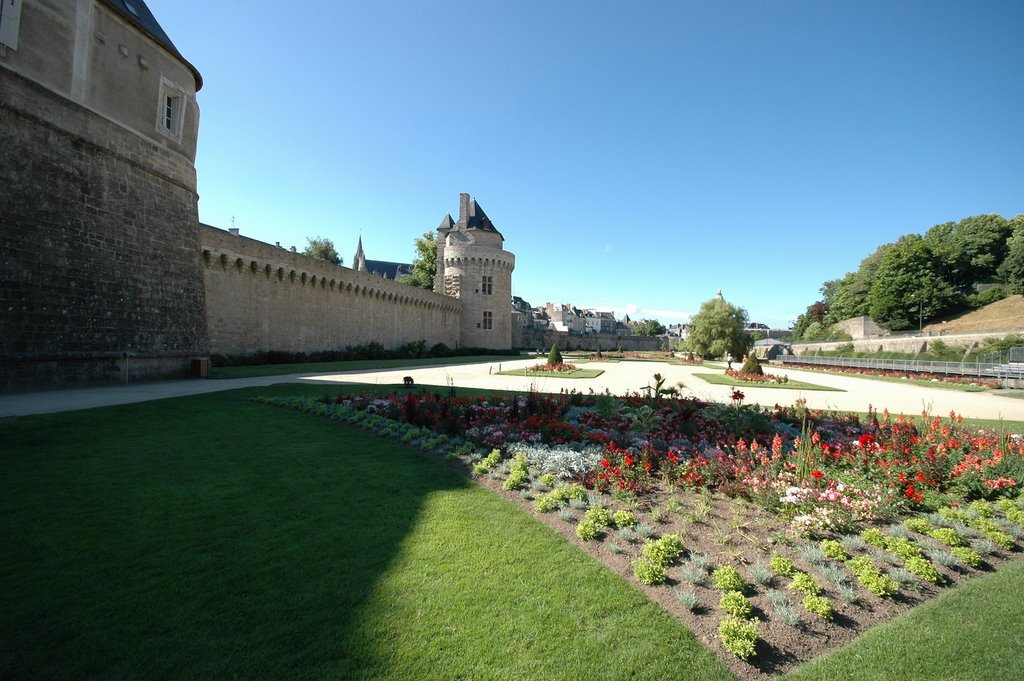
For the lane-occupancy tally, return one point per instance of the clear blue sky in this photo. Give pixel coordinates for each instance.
(635, 155)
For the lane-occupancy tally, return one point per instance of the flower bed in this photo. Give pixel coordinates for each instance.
(620, 476)
(756, 378)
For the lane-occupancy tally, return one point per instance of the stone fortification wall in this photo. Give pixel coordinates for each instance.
(261, 297)
(910, 344)
(543, 340)
(99, 248)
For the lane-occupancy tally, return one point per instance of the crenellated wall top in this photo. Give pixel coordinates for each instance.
(243, 255)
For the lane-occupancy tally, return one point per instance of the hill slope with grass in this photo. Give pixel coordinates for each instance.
(1003, 315)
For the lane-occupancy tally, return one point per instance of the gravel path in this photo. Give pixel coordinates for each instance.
(618, 378)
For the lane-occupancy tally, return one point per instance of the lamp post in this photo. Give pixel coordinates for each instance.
(920, 316)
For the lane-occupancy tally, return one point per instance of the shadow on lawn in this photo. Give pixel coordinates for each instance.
(199, 537)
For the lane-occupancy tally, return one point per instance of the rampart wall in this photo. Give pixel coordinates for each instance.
(99, 254)
(260, 297)
(909, 344)
(531, 339)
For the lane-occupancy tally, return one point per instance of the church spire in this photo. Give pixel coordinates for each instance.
(359, 259)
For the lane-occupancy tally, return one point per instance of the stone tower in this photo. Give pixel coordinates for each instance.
(101, 278)
(473, 267)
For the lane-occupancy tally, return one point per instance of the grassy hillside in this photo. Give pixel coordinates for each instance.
(1003, 315)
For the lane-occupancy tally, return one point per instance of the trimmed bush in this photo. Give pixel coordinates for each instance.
(554, 357)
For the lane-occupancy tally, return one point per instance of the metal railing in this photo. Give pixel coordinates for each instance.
(1008, 364)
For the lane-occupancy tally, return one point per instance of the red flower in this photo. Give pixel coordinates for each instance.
(818, 475)
(605, 463)
(647, 465)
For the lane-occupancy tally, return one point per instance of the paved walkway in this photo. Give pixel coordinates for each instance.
(618, 378)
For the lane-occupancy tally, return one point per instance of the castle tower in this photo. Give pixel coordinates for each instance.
(473, 266)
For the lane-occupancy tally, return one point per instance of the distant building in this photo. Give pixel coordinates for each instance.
(381, 268)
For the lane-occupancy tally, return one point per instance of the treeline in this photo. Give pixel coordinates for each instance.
(924, 277)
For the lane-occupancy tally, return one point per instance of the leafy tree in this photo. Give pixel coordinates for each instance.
(909, 286)
(814, 314)
(1012, 268)
(322, 248)
(970, 251)
(649, 327)
(424, 265)
(717, 330)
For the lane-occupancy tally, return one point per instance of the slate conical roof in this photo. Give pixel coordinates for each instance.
(137, 13)
(446, 224)
(473, 217)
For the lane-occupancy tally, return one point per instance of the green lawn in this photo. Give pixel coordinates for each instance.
(213, 537)
(722, 379)
(975, 631)
(350, 365)
(943, 385)
(575, 373)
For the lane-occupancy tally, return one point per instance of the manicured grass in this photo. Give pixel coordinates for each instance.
(575, 373)
(214, 537)
(943, 385)
(722, 379)
(350, 365)
(975, 631)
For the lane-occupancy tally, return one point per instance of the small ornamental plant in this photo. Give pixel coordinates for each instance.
(492, 460)
(739, 636)
(782, 565)
(736, 604)
(663, 551)
(518, 474)
(648, 572)
(871, 578)
(967, 556)
(554, 357)
(726, 578)
(819, 605)
(833, 549)
(624, 519)
(805, 584)
(923, 568)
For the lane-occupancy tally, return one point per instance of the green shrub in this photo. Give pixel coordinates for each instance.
(967, 556)
(663, 551)
(648, 573)
(752, 366)
(904, 548)
(947, 536)
(726, 578)
(782, 566)
(805, 584)
(588, 529)
(624, 518)
(492, 460)
(548, 479)
(982, 508)
(545, 503)
(567, 492)
(736, 604)
(819, 605)
(554, 357)
(919, 525)
(923, 568)
(834, 549)
(518, 474)
(601, 516)
(738, 636)
(873, 536)
(871, 578)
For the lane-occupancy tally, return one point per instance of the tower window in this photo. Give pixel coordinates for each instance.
(487, 286)
(170, 109)
(488, 319)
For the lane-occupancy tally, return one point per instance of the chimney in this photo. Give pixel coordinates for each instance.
(233, 231)
(463, 208)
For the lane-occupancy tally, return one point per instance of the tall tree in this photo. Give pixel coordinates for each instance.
(322, 248)
(649, 327)
(717, 330)
(908, 286)
(1012, 268)
(424, 265)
